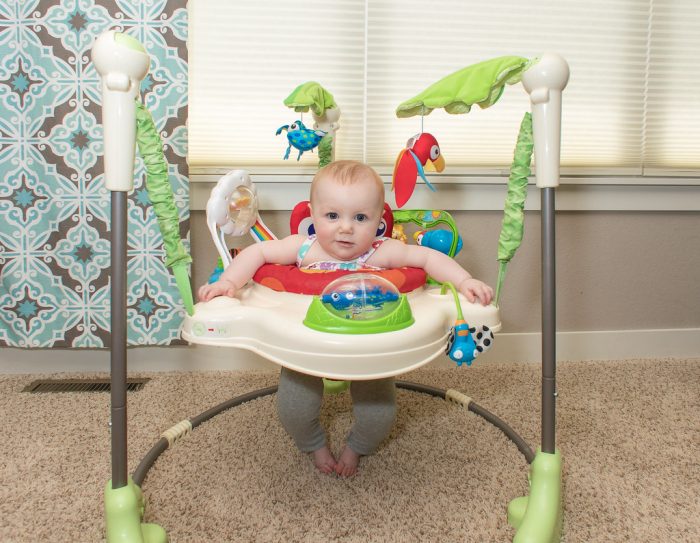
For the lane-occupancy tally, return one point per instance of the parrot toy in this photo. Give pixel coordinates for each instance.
(300, 137)
(422, 150)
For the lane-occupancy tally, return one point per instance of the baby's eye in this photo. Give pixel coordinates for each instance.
(361, 217)
(333, 216)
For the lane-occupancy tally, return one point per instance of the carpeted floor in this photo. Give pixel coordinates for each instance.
(629, 433)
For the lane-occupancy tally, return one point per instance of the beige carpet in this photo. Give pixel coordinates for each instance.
(629, 433)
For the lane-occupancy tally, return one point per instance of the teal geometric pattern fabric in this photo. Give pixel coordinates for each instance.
(54, 207)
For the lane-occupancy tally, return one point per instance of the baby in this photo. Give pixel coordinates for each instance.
(346, 204)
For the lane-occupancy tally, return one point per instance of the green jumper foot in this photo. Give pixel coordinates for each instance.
(124, 509)
(331, 386)
(537, 518)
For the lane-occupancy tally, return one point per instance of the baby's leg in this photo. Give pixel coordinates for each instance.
(374, 407)
(298, 405)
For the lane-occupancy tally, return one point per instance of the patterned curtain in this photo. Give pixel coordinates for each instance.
(54, 208)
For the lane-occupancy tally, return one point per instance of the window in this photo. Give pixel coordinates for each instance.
(632, 106)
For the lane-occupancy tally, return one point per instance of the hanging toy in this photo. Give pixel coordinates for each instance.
(440, 240)
(460, 344)
(465, 343)
(300, 137)
(422, 150)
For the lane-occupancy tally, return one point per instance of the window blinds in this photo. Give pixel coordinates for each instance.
(247, 57)
(632, 104)
(672, 91)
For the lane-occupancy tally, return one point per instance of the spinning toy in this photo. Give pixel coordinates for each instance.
(233, 209)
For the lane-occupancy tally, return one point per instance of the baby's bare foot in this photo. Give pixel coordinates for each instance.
(324, 460)
(347, 462)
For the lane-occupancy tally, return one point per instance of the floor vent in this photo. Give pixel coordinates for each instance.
(81, 385)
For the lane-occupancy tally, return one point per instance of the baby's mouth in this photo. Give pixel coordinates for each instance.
(346, 244)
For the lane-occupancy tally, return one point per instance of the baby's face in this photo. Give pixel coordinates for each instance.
(346, 217)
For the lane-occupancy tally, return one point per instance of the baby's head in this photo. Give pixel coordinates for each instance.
(350, 172)
(347, 203)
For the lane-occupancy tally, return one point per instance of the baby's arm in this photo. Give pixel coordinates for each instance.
(395, 254)
(247, 262)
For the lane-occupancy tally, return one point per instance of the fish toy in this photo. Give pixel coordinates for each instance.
(375, 297)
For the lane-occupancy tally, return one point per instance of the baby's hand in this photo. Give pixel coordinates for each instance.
(473, 289)
(222, 287)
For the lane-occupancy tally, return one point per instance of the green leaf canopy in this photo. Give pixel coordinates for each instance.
(310, 95)
(480, 84)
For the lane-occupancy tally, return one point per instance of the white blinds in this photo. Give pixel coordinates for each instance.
(246, 57)
(633, 101)
(673, 95)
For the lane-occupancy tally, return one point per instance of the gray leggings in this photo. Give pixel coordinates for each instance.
(299, 403)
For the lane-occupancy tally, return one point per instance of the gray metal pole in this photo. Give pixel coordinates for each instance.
(549, 361)
(118, 339)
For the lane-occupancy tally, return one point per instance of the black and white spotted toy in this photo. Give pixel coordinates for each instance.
(483, 339)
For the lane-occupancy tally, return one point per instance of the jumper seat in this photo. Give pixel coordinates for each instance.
(270, 323)
(289, 278)
(267, 317)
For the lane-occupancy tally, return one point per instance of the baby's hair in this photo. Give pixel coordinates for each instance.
(347, 172)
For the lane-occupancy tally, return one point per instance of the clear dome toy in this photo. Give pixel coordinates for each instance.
(359, 303)
(360, 296)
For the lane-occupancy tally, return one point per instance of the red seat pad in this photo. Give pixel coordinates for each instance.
(289, 278)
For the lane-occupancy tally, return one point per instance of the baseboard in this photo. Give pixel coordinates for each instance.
(526, 347)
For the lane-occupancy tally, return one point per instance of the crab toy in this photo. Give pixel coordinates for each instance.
(300, 137)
